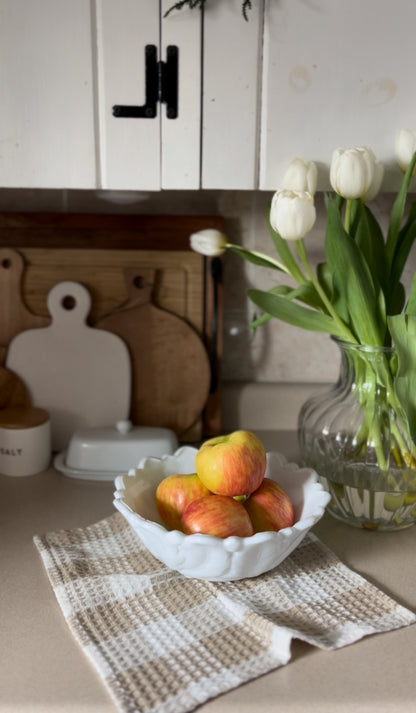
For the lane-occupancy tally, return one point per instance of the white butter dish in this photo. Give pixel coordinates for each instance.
(59, 464)
(104, 453)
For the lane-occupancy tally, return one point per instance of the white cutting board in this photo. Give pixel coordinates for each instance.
(81, 375)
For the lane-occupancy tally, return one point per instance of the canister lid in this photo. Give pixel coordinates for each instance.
(23, 417)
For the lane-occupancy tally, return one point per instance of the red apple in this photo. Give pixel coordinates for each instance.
(233, 464)
(216, 515)
(269, 507)
(174, 493)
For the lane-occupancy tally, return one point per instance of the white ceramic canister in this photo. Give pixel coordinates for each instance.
(25, 441)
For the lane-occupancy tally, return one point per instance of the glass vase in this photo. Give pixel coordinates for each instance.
(355, 437)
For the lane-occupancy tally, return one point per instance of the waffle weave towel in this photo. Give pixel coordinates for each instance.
(166, 644)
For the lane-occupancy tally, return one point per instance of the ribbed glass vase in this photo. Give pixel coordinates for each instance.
(354, 436)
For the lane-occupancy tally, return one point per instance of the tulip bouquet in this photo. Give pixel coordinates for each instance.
(356, 295)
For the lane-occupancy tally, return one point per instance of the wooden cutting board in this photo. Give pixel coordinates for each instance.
(14, 314)
(170, 367)
(13, 392)
(81, 375)
(94, 249)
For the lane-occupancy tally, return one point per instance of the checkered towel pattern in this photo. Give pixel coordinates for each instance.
(165, 644)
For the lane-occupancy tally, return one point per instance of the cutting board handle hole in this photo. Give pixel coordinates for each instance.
(139, 282)
(6, 263)
(68, 302)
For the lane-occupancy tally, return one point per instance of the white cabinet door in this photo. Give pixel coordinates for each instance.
(65, 65)
(147, 153)
(129, 148)
(336, 73)
(213, 146)
(231, 95)
(181, 137)
(46, 94)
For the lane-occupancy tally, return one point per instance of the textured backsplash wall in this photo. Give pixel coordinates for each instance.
(277, 352)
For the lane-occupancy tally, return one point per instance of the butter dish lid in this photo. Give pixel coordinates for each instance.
(114, 449)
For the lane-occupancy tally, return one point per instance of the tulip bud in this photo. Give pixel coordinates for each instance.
(301, 176)
(209, 242)
(352, 171)
(292, 214)
(405, 146)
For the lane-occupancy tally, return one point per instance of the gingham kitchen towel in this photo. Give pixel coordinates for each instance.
(166, 644)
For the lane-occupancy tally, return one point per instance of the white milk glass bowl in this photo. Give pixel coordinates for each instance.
(213, 558)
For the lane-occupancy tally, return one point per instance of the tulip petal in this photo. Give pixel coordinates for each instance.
(405, 146)
(352, 171)
(301, 175)
(292, 214)
(209, 242)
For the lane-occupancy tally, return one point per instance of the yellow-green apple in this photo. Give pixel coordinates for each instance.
(174, 493)
(233, 464)
(217, 515)
(269, 507)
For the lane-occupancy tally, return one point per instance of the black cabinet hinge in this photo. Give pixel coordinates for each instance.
(161, 85)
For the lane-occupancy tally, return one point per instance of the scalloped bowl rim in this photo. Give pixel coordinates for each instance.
(159, 468)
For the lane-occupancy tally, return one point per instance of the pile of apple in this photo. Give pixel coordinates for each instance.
(229, 493)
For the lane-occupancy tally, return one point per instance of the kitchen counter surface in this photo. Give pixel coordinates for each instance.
(43, 670)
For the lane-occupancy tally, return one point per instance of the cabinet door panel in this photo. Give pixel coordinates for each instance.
(336, 73)
(46, 94)
(129, 147)
(181, 137)
(231, 66)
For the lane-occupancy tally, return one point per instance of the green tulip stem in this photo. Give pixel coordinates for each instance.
(374, 384)
(347, 218)
(300, 247)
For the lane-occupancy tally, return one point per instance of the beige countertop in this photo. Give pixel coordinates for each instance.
(42, 669)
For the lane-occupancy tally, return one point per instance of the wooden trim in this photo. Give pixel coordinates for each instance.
(89, 230)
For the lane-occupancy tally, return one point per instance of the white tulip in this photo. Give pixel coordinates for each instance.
(352, 171)
(376, 184)
(209, 242)
(405, 146)
(301, 175)
(292, 213)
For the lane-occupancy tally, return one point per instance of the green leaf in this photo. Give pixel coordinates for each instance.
(329, 283)
(324, 275)
(411, 304)
(369, 237)
(305, 293)
(339, 202)
(403, 329)
(404, 244)
(293, 313)
(353, 281)
(259, 321)
(284, 291)
(254, 257)
(397, 212)
(396, 300)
